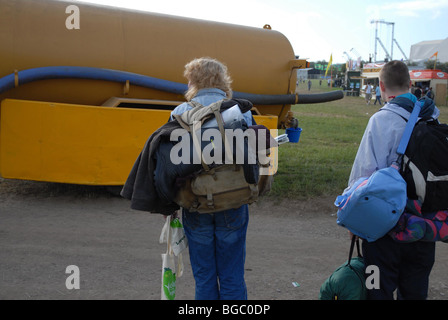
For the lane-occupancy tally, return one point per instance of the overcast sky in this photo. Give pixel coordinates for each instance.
(319, 28)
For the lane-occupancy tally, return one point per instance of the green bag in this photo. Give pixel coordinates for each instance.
(348, 281)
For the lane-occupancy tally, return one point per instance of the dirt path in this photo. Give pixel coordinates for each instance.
(46, 227)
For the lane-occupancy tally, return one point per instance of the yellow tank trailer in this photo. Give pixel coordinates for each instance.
(82, 87)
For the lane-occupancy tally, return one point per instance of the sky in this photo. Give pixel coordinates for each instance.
(320, 28)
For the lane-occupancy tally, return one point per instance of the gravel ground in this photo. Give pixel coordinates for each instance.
(46, 227)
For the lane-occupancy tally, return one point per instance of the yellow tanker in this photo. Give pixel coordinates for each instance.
(82, 86)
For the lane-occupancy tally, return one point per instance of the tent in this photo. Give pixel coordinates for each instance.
(425, 49)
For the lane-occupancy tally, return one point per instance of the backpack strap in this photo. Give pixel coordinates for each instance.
(193, 127)
(196, 142)
(181, 122)
(216, 110)
(409, 128)
(194, 104)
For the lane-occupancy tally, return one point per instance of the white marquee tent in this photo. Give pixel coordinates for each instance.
(424, 50)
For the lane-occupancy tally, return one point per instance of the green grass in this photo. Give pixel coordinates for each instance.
(320, 163)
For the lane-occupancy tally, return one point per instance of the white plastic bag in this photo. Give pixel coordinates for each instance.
(179, 241)
(168, 291)
(170, 233)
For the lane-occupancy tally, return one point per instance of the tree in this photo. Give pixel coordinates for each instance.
(439, 65)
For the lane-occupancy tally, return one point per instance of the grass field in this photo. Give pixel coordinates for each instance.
(320, 163)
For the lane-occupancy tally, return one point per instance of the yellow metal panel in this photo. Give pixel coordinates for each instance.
(72, 143)
(79, 144)
(269, 122)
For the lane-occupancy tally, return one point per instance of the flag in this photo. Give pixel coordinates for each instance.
(329, 64)
(435, 61)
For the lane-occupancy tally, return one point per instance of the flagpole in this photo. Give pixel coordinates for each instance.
(331, 76)
(330, 63)
(435, 61)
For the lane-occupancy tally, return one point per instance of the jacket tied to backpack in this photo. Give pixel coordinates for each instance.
(159, 183)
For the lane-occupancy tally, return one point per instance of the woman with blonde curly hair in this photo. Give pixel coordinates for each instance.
(217, 242)
(207, 73)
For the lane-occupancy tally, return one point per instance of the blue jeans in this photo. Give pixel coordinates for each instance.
(378, 98)
(217, 247)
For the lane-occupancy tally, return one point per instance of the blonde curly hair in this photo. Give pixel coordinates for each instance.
(204, 73)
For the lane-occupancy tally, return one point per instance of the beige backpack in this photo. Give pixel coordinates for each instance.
(219, 188)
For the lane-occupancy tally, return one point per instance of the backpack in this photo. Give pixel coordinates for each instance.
(218, 187)
(425, 166)
(373, 205)
(347, 282)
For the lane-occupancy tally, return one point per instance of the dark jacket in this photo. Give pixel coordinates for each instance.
(140, 185)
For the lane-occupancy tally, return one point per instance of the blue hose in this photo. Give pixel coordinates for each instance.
(66, 72)
(61, 72)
